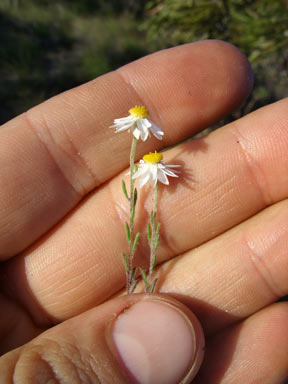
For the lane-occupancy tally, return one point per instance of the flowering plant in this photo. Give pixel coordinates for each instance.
(138, 122)
(151, 169)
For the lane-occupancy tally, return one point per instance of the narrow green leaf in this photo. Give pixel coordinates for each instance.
(126, 264)
(132, 216)
(132, 275)
(143, 273)
(156, 242)
(153, 286)
(135, 197)
(135, 242)
(127, 229)
(154, 263)
(152, 218)
(158, 227)
(134, 285)
(125, 190)
(149, 232)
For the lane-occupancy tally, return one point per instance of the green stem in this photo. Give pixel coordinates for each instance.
(129, 283)
(154, 240)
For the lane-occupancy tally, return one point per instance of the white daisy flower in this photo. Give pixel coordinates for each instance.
(138, 123)
(152, 169)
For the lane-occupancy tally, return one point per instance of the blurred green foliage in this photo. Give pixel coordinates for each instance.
(47, 46)
(258, 27)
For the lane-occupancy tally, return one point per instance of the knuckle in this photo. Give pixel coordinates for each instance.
(50, 362)
(63, 153)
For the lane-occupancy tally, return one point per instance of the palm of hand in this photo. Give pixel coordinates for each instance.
(219, 254)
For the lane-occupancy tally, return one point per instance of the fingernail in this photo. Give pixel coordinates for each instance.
(157, 343)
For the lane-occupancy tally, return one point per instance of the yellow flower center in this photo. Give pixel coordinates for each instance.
(138, 111)
(153, 158)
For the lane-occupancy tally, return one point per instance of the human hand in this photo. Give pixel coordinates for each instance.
(62, 235)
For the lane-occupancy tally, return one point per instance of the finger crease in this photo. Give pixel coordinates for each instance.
(261, 269)
(81, 160)
(79, 191)
(256, 173)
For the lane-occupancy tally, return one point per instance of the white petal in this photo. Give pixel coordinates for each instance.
(153, 182)
(153, 174)
(141, 126)
(144, 180)
(156, 130)
(123, 123)
(147, 123)
(168, 172)
(171, 174)
(116, 125)
(122, 128)
(172, 166)
(166, 169)
(124, 120)
(141, 171)
(144, 135)
(162, 177)
(143, 129)
(136, 133)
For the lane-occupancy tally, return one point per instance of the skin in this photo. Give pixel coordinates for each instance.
(224, 233)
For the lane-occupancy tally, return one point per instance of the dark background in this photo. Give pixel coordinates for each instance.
(50, 46)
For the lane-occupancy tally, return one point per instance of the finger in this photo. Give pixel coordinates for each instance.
(59, 151)
(236, 274)
(16, 326)
(226, 189)
(254, 350)
(149, 339)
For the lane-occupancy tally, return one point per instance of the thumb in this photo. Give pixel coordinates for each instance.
(138, 339)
